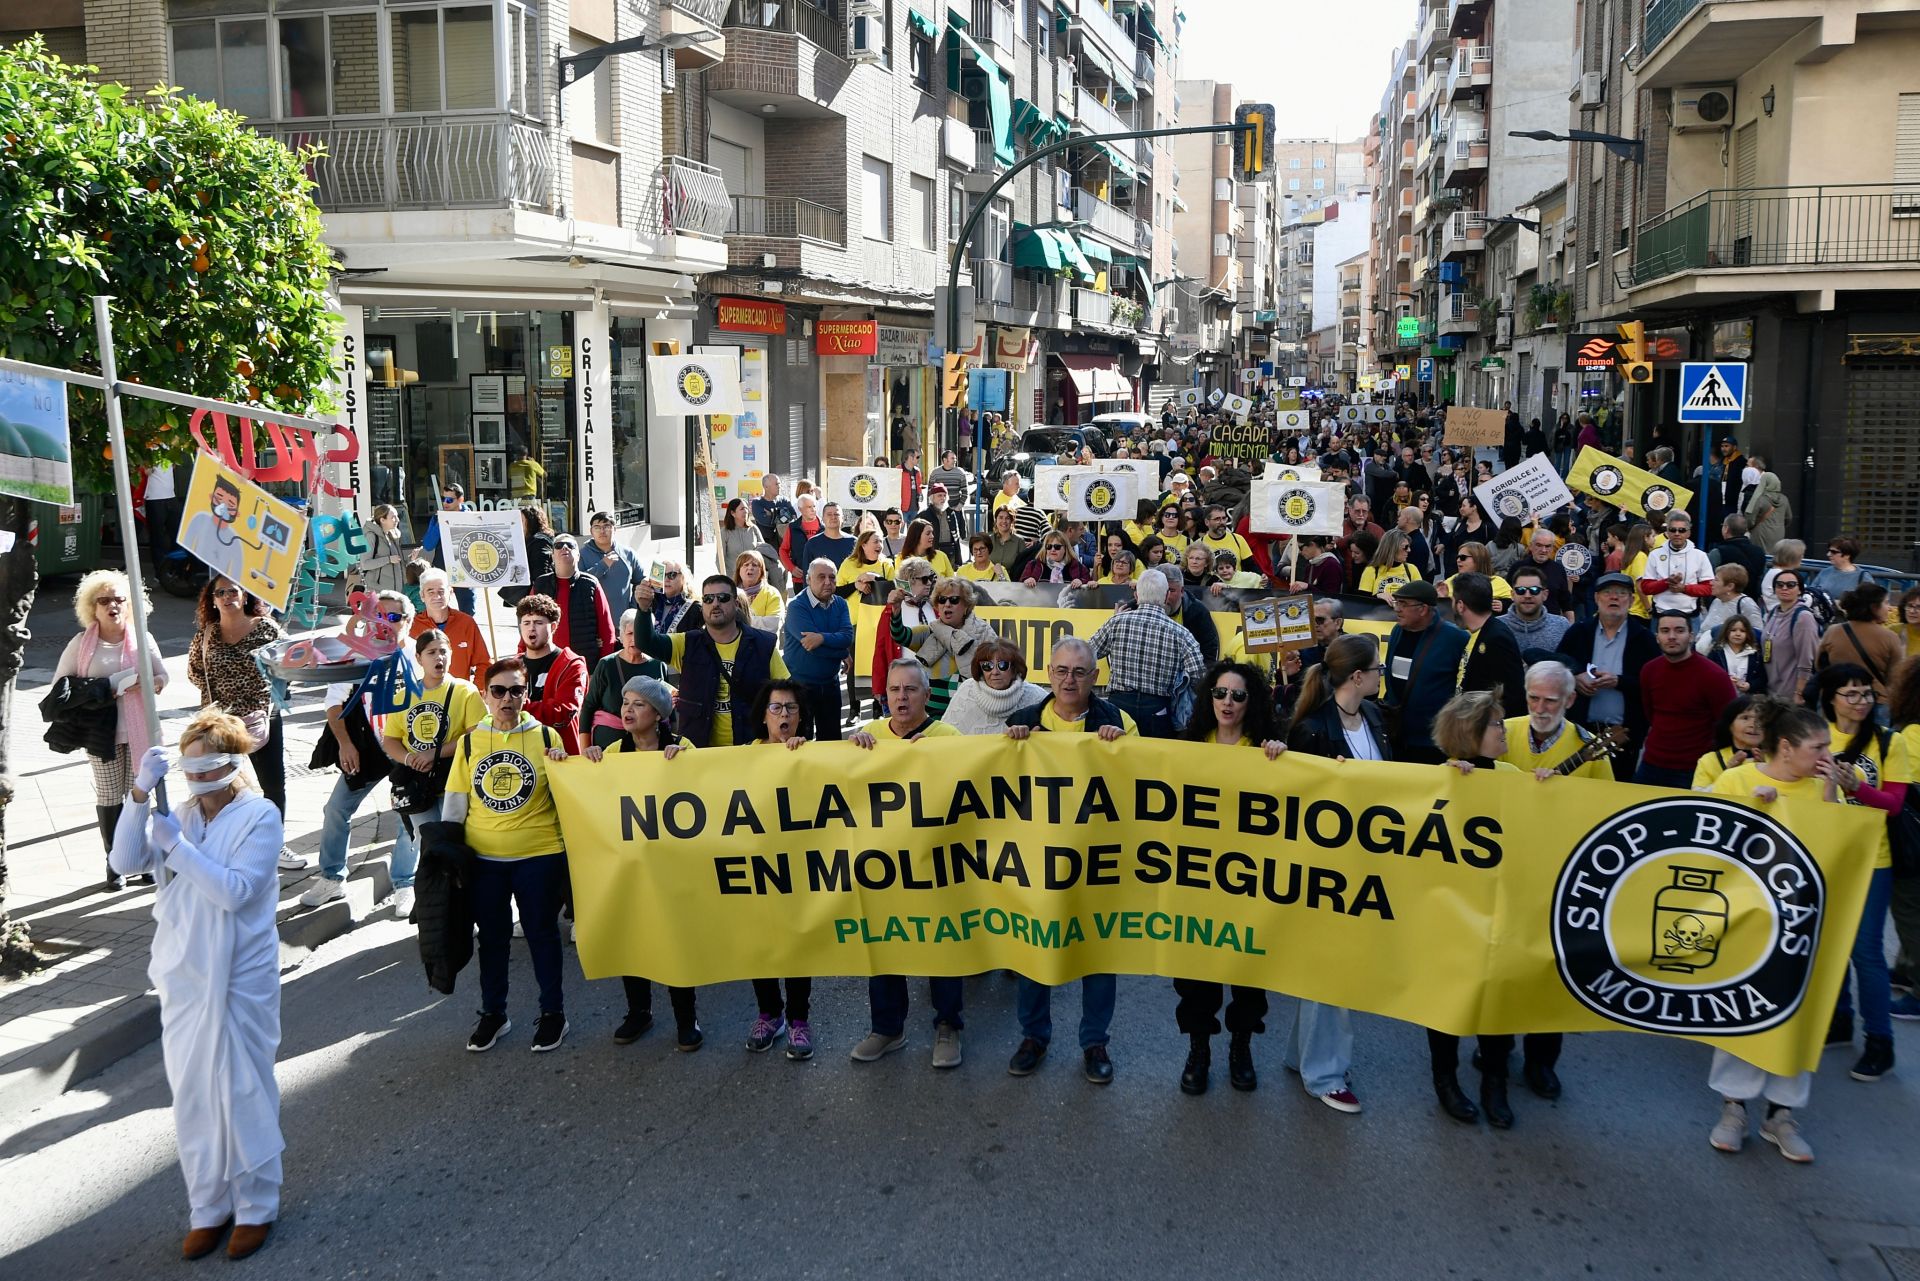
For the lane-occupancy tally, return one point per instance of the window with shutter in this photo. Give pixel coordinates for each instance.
(1906, 158)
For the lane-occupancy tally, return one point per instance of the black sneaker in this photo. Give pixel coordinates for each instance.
(549, 1032)
(489, 1029)
(689, 1039)
(1099, 1065)
(633, 1027)
(1027, 1057)
(1876, 1062)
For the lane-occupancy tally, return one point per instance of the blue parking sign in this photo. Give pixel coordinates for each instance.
(1426, 369)
(1713, 392)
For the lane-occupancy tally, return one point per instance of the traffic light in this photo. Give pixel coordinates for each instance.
(1631, 356)
(1253, 149)
(953, 381)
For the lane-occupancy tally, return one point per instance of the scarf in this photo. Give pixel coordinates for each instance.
(133, 708)
(945, 645)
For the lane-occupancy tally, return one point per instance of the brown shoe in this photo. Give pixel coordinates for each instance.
(247, 1237)
(203, 1241)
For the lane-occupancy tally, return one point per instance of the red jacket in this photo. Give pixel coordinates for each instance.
(561, 696)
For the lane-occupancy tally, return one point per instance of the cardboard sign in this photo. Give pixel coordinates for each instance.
(1533, 486)
(1285, 622)
(242, 532)
(1476, 427)
(1246, 441)
(1101, 496)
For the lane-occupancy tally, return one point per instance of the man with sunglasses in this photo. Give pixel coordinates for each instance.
(586, 623)
(363, 764)
(556, 676)
(1534, 626)
(1678, 578)
(722, 665)
(1543, 550)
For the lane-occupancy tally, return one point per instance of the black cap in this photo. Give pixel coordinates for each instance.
(1726, 438)
(1422, 592)
(1605, 581)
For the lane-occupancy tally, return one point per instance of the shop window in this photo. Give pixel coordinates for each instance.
(629, 424)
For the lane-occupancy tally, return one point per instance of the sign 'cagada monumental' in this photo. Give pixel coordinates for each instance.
(1478, 904)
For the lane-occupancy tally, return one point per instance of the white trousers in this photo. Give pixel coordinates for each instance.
(1735, 1078)
(252, 1197)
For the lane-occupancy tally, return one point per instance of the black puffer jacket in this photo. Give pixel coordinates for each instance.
(443, 903)
(81, 712)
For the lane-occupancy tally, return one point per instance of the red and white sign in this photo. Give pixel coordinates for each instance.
(846, 338)
(750, 316)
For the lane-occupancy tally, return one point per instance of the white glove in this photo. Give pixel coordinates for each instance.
(163, 833)
(153, 768)
(124, 681)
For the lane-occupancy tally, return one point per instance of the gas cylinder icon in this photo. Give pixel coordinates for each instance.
(1689, 920)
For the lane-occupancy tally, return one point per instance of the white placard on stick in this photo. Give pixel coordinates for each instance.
(1533, 486)
(1297, 507)
(693, 385)
(1290, 471)
(485, 549)
(863, 488)
(1146, 473)
(1050, 484)
(1101, 496)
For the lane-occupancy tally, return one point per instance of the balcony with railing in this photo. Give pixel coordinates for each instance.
(1464, 233)
(425, 162)
(1466, 154)
(1403, 251)
(781, 51)
(691, 28)
(1458, 315)
(1783, 229)
(820, 22)
(1472, 69)
(993, 24)
(1432, 32)
(1408, 156)
(1143, 69)
(1663, 19)
(1408, 101)
(1096, 115)
(687, 198)
(1466, 19)
(1109, 221)
(787, 218)
(1094, 20)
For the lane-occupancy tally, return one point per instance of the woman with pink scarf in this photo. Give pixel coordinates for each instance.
(104, 650)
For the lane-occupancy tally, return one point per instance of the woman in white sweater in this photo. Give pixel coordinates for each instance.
(999, 688)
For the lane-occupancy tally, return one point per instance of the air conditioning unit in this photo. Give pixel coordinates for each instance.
(1593, 89)
(1703, 107)
(867, 41)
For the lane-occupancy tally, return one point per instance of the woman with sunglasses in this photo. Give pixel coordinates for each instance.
(520, 856)
(420, 739)
(1789, 637)
(1389, 571)
(104, 651)
(1236, 710)
(1167, 530)
(1475, 558)
(1056, 562)
(893, 530)
(981, 567)
(999, 687)
(946, 642)
(776, 720)
(1874, 771)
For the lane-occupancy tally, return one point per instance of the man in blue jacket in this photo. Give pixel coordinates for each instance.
(816, 640)
(1423, 660)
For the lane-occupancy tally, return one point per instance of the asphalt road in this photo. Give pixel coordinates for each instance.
(408, 1156)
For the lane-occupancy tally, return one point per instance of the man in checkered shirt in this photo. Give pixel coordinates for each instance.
(1146, 649)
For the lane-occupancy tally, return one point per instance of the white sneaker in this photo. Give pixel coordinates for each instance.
(1783, 1132)
(403, 903)
(324, 889)
(291, 862)
(1730, 1135)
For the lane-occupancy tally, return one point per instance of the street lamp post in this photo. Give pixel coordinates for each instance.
(1633, 149)
(952, 436)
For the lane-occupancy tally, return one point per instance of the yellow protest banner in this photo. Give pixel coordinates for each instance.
(1035, 631)
(1488, 903)
(1625, 486)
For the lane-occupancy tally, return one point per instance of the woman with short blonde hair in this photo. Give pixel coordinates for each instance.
(104, 651)
(761, 600)
(216, 968)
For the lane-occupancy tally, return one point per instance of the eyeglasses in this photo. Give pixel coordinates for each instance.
(1076, 673)
(1784, 585)
(1529, 591)
(504, 692)
(782, 709)
(997, 665)
(927, 578)
(109, 600)
(226, 593)
(1221, 694)
(1857, 695)
(716, 598)
(1682, 529)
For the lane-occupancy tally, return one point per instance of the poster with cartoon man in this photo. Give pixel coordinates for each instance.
(242, 532)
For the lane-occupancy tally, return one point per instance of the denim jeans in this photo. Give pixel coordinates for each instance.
(1660, 776)
(539, 886)
(887, 1002)
(820, 712)
(1152, 713)
(1097, 994)
(1870, 960)
(1316, 1041)
(337, 826)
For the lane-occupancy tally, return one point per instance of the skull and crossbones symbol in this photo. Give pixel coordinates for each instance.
(1688, 934)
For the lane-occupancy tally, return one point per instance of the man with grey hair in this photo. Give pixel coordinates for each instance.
(1072, 669)
(1147, 652)
(815, 639)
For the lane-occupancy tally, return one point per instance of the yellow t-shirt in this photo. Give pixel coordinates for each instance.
(1636, 569)
(511, 813)
(991, 574)
(1742, 779)
(1004, 499)
(456, 704)
(1231, 543)
(1375, 579)
(1135, 532)
(1502, 590)
(1048, 721)
(941, 565)
(620, 745)
(1708, 769)
(1521, 756)
(1176, 545)
(766, 603)
(1246, 740)
(722, 735)
(852, 567)
(1106, 580)
(882, 729)
(1878, 771)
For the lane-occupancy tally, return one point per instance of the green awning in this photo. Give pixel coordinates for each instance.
(1037, 247)
(1127, 260)
(1144, 16)
(1095, 250)
(1123, 87)
(961, 49)
(1122, 167)
(955, 18)
(1076, 258)
(924, 25)
(1097, 56)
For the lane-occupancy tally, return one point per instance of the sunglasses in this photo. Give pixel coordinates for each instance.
(110, 600)
(1221, 694)
(504, 692)
(997, 665)
(716, 598)
(927, 578)
(1529, 591)
(673, 573)
(448, 498)
(394, 617)
(1462, 559)
(945, 600)
(227, 593)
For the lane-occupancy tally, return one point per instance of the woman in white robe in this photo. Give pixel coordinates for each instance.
(216, 967)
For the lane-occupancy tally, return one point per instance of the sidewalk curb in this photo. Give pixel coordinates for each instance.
(72, 1058)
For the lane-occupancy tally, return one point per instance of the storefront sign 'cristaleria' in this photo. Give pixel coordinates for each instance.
(1488, 903)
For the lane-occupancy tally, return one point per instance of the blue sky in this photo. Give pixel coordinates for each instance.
(1323, 64)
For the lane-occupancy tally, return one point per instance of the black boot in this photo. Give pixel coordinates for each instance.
(1453, 1100)
(1493, 1101)
(1193, 1077)
(109, 818)
(1240, 1071)
(1876, 1062)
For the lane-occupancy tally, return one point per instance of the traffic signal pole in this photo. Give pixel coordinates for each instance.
(951, 435)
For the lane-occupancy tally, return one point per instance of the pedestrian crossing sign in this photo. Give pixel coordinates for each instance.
(1713, 392)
